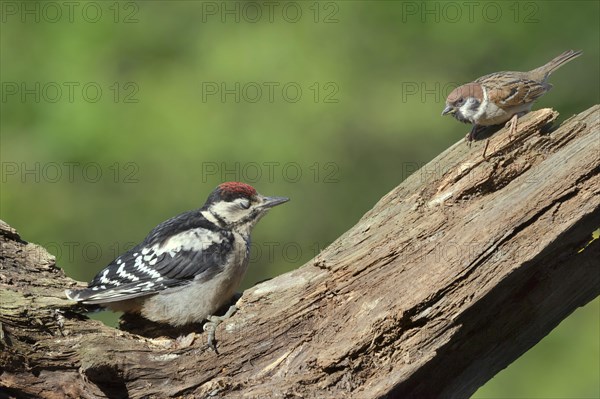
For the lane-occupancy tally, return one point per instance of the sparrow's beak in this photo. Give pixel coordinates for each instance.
(448, 110)
(270, 202)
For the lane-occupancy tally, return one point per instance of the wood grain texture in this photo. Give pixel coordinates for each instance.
(448, 279)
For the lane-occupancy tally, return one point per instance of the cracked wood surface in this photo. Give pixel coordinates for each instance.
(448, 279)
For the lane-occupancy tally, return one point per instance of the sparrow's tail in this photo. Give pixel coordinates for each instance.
(544, 71)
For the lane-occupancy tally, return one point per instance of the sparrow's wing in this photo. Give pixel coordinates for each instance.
(510, 89)
(197, 253)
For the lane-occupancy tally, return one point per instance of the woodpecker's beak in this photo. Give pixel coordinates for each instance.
(270, 202)
(448, 110)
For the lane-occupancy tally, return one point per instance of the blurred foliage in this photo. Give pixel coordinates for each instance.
(118, 115)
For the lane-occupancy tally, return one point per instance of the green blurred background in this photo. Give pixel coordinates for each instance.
(117, 116)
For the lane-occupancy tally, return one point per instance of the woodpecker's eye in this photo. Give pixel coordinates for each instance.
(244, 203)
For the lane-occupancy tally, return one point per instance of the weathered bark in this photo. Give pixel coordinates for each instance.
(448, 279)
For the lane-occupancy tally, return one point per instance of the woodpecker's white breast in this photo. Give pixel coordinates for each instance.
(201, 297)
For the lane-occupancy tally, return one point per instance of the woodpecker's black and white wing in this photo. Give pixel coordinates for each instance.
(182, 249)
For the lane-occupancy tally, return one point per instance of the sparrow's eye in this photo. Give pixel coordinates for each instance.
(460, 101)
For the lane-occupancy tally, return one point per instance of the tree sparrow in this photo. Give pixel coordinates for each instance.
(502, 96)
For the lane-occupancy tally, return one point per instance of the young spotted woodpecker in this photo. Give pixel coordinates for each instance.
(187, 267)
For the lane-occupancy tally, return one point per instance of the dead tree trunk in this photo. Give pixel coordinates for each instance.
(448, 279)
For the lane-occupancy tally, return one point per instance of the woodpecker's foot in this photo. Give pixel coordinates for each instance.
(211, 326)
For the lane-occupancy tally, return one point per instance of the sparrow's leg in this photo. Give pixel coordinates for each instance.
(471, 135)
(213, 322)
(512, 126)
(512, 129)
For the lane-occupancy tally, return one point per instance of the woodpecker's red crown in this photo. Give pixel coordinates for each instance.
(237, 189)
(230, 191)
